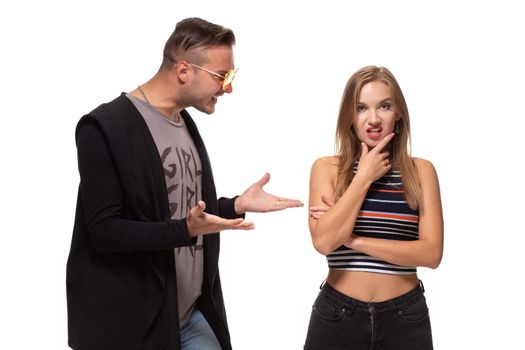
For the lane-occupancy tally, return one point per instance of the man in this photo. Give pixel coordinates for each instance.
(143, 267)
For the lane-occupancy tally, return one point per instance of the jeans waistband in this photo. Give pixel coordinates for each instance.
(391, 303)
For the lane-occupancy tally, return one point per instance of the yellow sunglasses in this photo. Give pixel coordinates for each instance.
(227, 78)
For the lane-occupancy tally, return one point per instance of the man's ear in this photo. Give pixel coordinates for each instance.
(181, 70)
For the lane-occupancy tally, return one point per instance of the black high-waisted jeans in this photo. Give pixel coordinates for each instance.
(341, 322)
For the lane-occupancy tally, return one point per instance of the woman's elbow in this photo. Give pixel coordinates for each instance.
(434, 259)
(433, 264)
(322, 249)
(321, 237)
(322, 245)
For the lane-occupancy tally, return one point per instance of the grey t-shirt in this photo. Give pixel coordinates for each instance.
(183, 174)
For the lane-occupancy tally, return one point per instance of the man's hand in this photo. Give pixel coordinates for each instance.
(256, 200)
(200, 223)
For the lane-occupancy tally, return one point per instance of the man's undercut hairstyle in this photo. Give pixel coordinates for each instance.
(192, 33)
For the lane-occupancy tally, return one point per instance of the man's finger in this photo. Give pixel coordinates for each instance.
(243, 226)
(293, 203)
(285, 204)
(217, 220)
(289, 201)
(264, 180)
(198, 209)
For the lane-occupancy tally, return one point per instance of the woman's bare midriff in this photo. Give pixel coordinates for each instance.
(369, 286)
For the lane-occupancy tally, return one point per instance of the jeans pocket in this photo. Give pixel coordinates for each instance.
(414, 312)
(325, 310)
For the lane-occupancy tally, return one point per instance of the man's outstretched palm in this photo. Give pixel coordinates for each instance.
(256, 200)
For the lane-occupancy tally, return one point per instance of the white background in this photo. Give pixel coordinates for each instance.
(461, 69)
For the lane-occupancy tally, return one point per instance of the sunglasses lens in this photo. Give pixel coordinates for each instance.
(228, 78)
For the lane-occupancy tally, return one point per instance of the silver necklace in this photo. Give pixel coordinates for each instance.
(178, 116)
(144, 95)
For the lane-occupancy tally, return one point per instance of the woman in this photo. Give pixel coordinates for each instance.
(375, 212)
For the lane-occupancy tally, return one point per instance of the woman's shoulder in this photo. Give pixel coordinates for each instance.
(325, 165)
(326, 162)
(424, 166)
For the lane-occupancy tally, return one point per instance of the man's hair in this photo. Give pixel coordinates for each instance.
(192, 33)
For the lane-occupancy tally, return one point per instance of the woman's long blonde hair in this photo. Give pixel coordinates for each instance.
(348, 145)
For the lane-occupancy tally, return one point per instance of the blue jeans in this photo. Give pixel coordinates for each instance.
(341, 322)
(197, 334)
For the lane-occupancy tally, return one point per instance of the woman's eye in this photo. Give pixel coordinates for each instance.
(361, 109)
(385, 106)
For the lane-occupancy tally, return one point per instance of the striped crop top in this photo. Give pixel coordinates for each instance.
(384, 214)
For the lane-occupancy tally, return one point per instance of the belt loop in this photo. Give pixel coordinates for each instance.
(422, 286)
